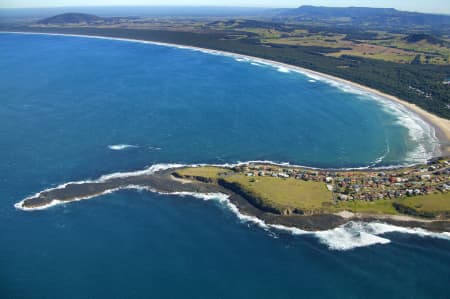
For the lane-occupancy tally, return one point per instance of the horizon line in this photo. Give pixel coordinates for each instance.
(218, 6)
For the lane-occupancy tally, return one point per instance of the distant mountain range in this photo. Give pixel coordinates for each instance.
(365, 17)
(333, 12)
(361, 17)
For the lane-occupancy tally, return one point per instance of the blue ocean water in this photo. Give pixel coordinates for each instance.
(68, 107)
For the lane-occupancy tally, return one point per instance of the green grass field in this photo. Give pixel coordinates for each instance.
(275, 192)
(433, 203)
(372, 207)
(286, 193)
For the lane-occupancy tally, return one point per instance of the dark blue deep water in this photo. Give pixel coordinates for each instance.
(68, 107)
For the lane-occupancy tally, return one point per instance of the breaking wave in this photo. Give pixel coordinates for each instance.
(345, 237)
(120, 147)
(283, 69)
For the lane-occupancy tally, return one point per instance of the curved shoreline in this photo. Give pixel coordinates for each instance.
(440, 125)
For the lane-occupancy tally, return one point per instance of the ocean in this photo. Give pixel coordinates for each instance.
(76, 108)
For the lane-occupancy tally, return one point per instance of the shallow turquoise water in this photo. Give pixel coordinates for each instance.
(66, 100)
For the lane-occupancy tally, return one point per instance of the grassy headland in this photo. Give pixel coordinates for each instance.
(421, 191)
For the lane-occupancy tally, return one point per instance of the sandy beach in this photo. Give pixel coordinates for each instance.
(440, 125)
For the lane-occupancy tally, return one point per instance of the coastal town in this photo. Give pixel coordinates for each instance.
(368, 185)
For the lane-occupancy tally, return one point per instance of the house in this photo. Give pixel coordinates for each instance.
(343, 197)
(425, 177)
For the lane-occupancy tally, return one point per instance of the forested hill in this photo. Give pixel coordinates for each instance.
(71, 18)
(367, 17)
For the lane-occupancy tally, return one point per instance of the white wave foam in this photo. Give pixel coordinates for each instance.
(120, 147)
(345, 237)
(421, 134)
(154, 148)
(19, 205)
(361, 234)
(381, 158)
(424, 145)
(256, 64)
(147, 171)
(349, 236)
(283, 69)
(312, 81)
(223, 199)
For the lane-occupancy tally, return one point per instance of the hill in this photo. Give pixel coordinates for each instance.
(382, 18)
(71, 18)
(330, 12)
(415, 38)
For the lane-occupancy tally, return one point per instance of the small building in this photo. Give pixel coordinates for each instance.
(283, 175)
(425, 177)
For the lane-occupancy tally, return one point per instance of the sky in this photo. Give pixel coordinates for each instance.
(434, 6)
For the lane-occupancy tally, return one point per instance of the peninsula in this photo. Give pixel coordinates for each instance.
(309, 199)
